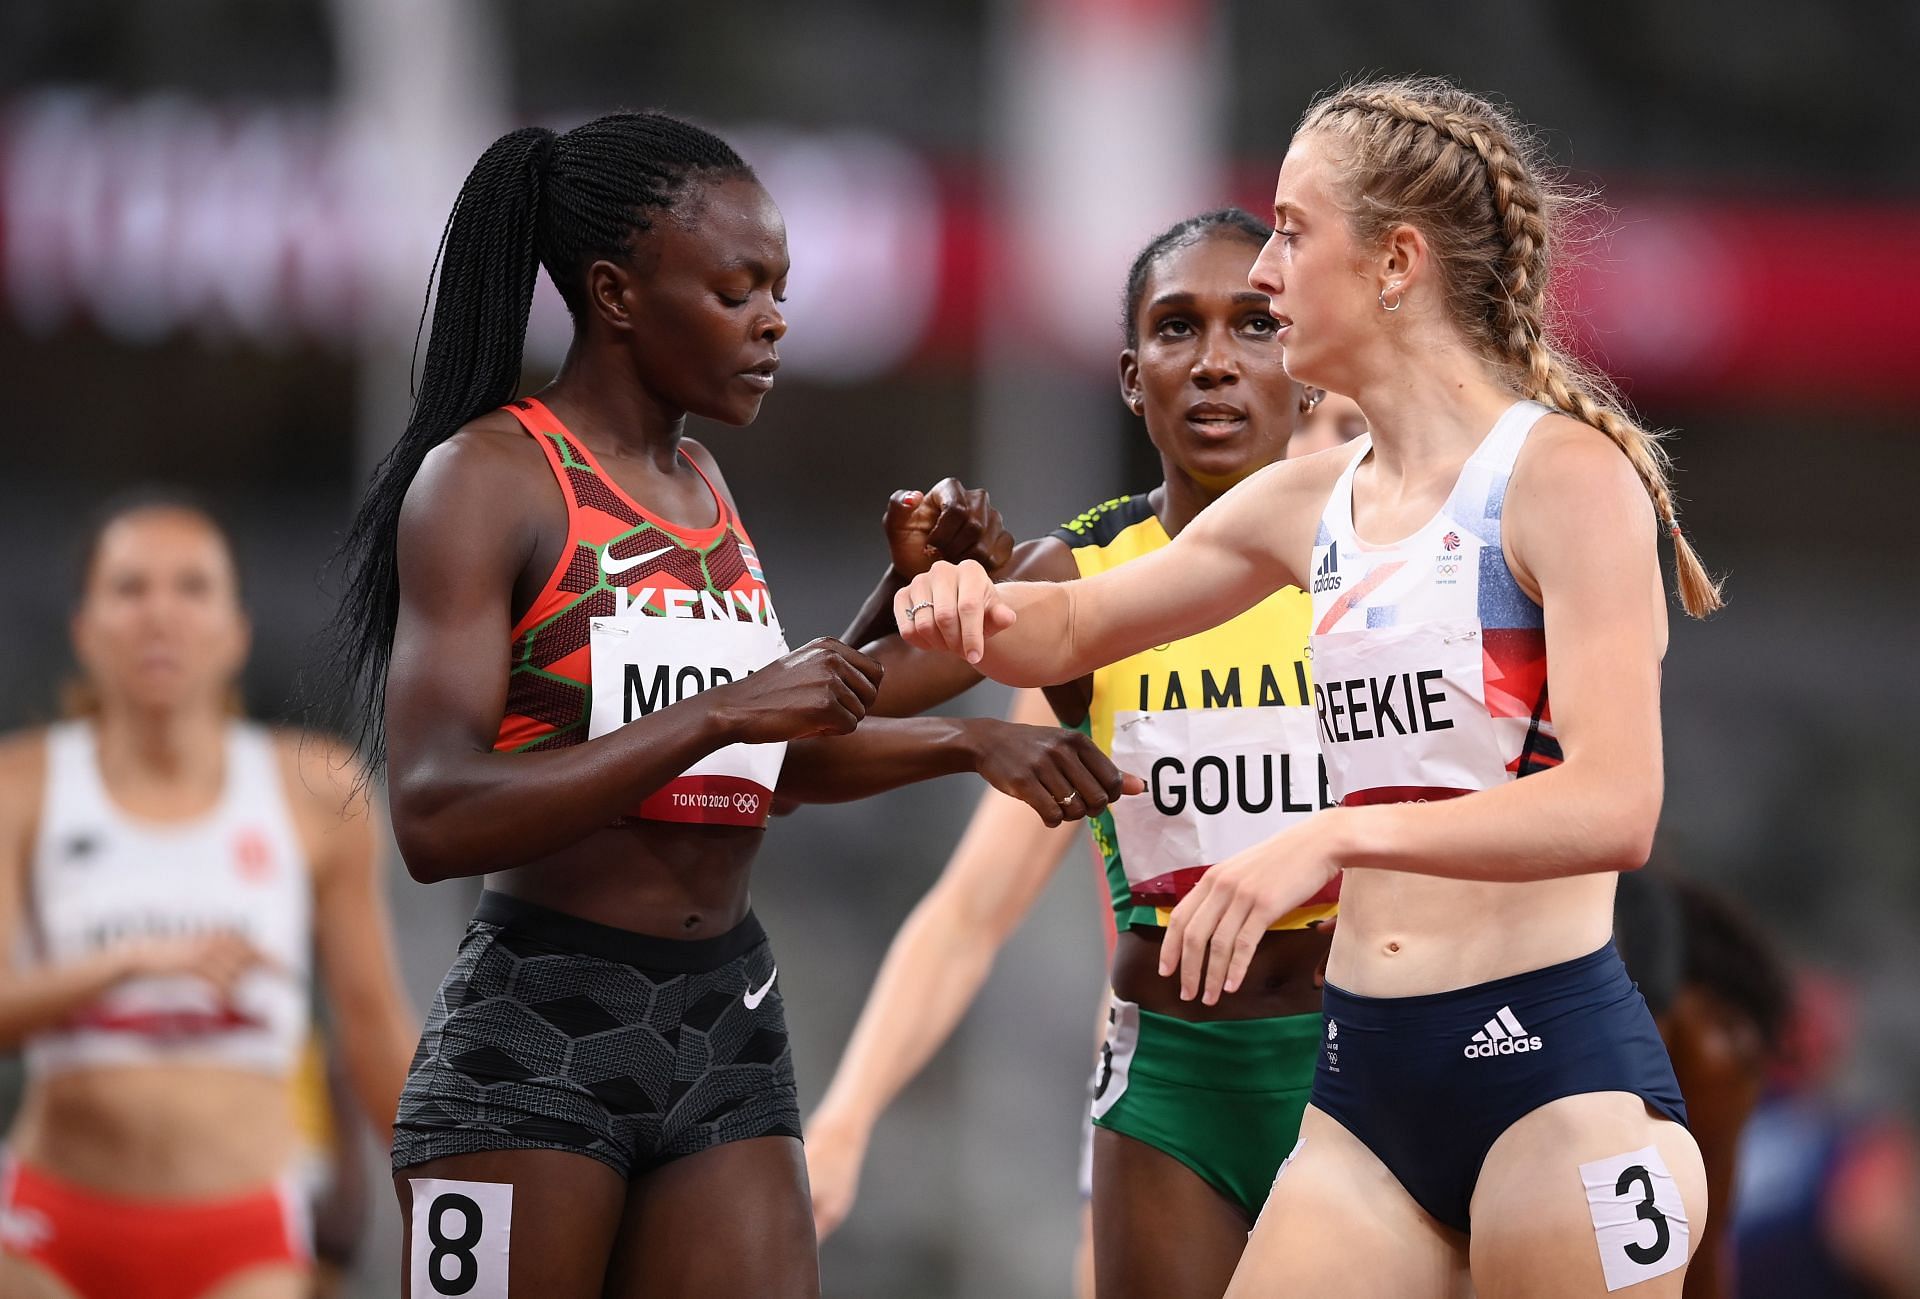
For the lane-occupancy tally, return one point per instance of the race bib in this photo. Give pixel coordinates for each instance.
(1400, 711)
(1639, 1221)
(642, 663)
(461, 1233)
(1219, 780)
(1116, 1056)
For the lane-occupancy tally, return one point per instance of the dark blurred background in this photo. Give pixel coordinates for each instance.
(217, 217)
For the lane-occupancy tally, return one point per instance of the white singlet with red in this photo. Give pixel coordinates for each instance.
(1429, 661)
(102, 877)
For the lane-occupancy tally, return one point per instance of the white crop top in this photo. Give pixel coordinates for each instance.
(101, 877)
(1429, 662)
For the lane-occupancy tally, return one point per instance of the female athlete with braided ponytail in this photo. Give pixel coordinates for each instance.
(569, 649)
(1493, 1111)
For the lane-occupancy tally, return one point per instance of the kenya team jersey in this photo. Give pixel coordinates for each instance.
(638, 615)
(1430, 662)
(1219, 725)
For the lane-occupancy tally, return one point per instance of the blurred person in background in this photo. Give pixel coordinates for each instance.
(1718, 989)
(1488, 1066)
(331, 1167)
(172, 869)
(1327, 420)
(1829, 1190)
(1196, 1105)
(564, 637)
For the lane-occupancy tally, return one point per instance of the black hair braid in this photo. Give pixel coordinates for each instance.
(1179, 235)
(533, 199)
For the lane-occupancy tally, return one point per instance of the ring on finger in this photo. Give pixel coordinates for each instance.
(1068, 800)
(913, 610)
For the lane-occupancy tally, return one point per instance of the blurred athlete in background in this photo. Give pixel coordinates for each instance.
(1829, 1188)
(167, 870)
(1326, 420)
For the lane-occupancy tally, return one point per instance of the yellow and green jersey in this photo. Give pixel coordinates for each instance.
(1220, 726)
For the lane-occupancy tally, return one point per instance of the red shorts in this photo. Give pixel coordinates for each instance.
(109, 1247)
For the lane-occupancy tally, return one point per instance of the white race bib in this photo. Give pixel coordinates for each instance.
(1639, 1221)
(1219, 780)
(643, 663)
(1400, 710)
(460, 1234)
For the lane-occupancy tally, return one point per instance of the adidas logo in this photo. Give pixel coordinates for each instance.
(1327, 576)
(1502, 1036)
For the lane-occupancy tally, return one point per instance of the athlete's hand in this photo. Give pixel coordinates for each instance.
(1062, 775)
(836, 1148)
(823, 688)
(951, 522)
(951, 608)
(1212, 934)
(222, 959)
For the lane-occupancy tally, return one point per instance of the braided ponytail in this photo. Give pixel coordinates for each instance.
(1423, 152)
(533, 199)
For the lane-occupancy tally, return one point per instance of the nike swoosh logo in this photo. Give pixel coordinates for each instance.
(614, 567)
(757, 995)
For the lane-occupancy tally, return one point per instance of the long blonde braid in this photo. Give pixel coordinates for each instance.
(1424, 152)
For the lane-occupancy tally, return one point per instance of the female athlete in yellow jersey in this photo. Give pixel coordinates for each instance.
(1195, 1105)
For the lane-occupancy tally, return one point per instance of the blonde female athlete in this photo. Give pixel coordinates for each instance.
(176, 870)
(1492, 1107)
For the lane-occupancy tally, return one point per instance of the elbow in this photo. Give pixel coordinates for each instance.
(433, 853)
(419, 832)
(1632, 824)
(426, 859)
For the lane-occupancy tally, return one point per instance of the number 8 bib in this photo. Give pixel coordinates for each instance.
(460, 1232)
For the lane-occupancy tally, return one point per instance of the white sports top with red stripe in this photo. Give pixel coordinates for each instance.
(101, 877)
(1429, 661)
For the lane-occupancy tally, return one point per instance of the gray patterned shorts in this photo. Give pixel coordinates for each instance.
(552, 1032)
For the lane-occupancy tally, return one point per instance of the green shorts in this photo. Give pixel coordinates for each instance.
(1223, 1097)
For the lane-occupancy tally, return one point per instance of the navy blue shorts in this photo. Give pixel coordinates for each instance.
(1429, 1083)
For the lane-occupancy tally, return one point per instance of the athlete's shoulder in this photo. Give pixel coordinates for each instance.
(493, 445)
(1287, 493)
(322, 769)
(698, 453)
(489, 480)
(23, 778)
(325, 784)
(1098, 525)
(1568, 465)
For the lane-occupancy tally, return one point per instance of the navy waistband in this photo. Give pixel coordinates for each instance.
(591, 938)
(1596, 966)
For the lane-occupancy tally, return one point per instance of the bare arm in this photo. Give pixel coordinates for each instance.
(1060, 775)
(1581, 533)
(467, 532)
(917, 679)
(1242, 548)
(931, 975)
(353, 935)
(35, 998)
(949, 522)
